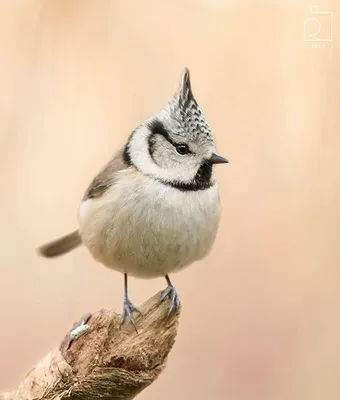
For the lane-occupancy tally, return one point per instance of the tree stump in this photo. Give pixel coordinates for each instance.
(107, 362)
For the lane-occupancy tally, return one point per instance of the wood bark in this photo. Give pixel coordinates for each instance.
(107, 362)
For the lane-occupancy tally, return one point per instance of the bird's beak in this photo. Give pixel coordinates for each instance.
(216, 159)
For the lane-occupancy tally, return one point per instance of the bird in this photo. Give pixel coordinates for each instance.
(154, 208)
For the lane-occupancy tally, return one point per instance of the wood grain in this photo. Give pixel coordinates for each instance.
(107, 362)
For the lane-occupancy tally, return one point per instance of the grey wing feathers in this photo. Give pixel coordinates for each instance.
(98, 186)
(106, 176)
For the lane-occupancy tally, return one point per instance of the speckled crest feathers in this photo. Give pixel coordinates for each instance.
(184, 108)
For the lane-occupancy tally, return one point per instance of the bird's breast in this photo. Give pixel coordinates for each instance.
(147, 229)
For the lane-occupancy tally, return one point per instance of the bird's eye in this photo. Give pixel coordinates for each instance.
(182, 149)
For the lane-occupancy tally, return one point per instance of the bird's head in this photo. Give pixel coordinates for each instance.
(176, 146)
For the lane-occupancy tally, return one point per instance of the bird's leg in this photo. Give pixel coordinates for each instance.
(128, 307)
(170, 291)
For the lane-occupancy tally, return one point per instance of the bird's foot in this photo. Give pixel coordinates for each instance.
(171, 292)
(128, 309)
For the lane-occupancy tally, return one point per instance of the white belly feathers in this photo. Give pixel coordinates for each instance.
(147, 229)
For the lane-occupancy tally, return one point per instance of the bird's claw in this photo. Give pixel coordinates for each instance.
(171, 292)
(128, 309)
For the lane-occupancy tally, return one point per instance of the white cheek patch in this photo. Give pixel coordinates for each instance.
(140, 157)
(139, 149)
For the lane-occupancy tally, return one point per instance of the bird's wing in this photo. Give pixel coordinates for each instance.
(106, 177)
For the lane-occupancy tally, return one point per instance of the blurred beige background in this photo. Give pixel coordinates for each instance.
(261, 316)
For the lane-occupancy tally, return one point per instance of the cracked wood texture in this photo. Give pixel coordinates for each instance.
(106, 362)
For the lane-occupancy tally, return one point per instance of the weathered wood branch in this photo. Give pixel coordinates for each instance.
(106, 362)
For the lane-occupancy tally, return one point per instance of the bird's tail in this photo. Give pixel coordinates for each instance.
(60, 246)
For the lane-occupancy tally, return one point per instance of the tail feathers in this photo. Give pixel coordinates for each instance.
(60, 246)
